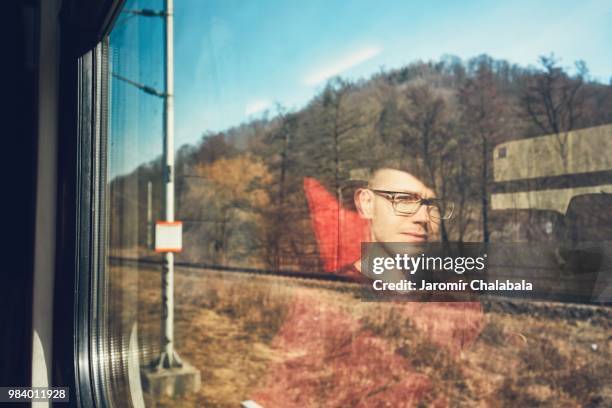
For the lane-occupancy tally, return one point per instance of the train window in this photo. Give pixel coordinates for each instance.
(305, 131)
(130, 114)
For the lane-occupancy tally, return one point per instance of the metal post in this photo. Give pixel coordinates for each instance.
(168, 375)
(168, 358)
(149, 215)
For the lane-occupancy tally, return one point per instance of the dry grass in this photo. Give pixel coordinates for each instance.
(228, 327)
(424, 355)
(222, 327)
(552, 362)
(493, 334)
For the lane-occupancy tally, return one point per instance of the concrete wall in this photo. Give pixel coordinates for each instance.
(580, 151)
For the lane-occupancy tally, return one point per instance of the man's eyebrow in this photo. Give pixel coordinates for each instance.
(396, 191)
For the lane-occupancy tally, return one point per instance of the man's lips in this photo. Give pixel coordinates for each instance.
(416, 235)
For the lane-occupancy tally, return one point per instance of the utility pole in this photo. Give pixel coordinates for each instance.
(168, 358)
(149, 214)
(168, 375)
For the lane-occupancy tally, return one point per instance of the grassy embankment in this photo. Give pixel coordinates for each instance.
(233, 329)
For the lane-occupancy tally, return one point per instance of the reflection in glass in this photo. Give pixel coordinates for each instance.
(267, 189)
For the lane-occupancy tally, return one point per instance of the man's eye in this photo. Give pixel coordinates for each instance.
(407, 198)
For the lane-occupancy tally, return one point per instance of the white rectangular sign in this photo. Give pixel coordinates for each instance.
(168, 236)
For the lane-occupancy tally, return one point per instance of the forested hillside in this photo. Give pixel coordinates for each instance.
(240, 192)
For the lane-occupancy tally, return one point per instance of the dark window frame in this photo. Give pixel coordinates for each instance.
(81, 184)
(21, 33)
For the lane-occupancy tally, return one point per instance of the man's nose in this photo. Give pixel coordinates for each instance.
(422, 215)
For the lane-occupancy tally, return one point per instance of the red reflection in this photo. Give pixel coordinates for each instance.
(338, 231)
(330, 356)
(326, 357)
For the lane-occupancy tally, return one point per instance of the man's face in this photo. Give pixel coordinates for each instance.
(385, 225)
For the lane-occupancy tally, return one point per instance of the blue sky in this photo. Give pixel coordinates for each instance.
(235, 58)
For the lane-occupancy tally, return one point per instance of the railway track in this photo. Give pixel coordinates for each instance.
(534, 307)
(253, 271)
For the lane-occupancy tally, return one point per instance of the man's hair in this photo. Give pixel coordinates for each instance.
(412, 166)
(361, 177)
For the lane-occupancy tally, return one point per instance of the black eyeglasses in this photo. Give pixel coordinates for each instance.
(409, 204)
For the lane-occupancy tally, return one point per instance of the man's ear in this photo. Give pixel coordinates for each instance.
(364, 201)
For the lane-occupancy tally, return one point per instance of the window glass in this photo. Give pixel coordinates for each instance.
(129, 321)
(303, 131)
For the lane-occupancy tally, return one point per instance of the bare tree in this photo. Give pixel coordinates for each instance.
(482, 111)
(426, 136)
(554, 101)
(342, 122)
(279, 142)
